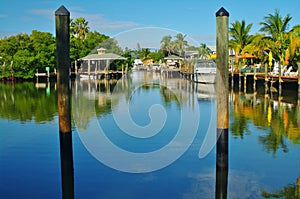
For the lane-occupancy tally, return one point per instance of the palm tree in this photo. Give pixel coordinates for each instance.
(276, 29)
(294, 47)
(166, 44)
(144, 54)
(180, 43)
(203, 51)
(79, 28)
(258, 45)
(240, 36)
(274, 25)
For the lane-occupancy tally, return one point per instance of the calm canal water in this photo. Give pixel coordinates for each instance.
(140, 137)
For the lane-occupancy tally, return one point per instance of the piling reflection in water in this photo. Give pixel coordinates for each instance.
(67, 169)
(222, 164)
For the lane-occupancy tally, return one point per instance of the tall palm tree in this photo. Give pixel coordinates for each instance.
(166, 44)
(294, 47)
(276, 29)
(203, 51)
(240, 37)
(79, 28)
(180, 43)
(274, 25)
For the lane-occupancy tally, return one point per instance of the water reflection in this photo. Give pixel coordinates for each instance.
(278, 115)
(106, 92)
(263, 136)
(26, 102)
(280, 119)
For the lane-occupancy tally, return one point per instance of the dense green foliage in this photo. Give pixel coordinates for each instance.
(23, 54)
(275, 37)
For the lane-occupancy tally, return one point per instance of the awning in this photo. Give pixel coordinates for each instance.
(105, 56)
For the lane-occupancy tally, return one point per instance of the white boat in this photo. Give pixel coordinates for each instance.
(205, 71)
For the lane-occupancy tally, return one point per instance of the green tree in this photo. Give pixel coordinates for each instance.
(203, 51)
(130, 55)
(294, 47)
(240, 37)
(144, 54)
(166, 44)
(79, 48)
(23, 54)
(156, 56)
(180, 43)
(79, 28)
(22, 65)
(258, 45)
(43, 48)
(276, 29)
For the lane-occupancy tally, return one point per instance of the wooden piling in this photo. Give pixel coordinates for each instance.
(254, 79)
(62, 22)
(245, 83)
(240, 76)
(222, 94)
(298, 83)
(63, 63)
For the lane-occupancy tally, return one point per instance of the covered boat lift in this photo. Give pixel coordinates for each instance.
(99, 63)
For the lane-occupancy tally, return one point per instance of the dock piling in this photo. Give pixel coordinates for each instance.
(298, 83)
(222, 94)
(62, 22)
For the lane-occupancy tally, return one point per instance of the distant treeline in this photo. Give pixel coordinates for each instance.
(22, 55)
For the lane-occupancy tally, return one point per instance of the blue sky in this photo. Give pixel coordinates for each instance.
(140, 20)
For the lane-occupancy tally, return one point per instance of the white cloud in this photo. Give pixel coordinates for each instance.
(100, 24)
(96, 21)
(3, 16)
(48, 13)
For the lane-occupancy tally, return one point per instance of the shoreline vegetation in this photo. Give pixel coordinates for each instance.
(22, 55)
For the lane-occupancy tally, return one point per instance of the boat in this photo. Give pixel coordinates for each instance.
(205, 71)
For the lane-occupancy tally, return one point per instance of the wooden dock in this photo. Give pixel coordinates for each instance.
(91, 75)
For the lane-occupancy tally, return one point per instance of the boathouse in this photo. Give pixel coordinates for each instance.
(173, 61)
(99, 62)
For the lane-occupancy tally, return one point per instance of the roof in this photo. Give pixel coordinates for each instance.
(105, 56)
(173, 57)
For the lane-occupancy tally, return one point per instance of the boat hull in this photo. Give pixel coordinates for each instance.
(207, 78)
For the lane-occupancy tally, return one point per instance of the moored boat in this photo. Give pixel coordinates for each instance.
(205, 71)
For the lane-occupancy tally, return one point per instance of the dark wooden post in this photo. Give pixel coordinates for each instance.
(62, 22)
(254, 79)
(222, 94)
(240, 76)
(298, 83)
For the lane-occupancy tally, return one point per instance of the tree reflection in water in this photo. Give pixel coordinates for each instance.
(278, 118)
